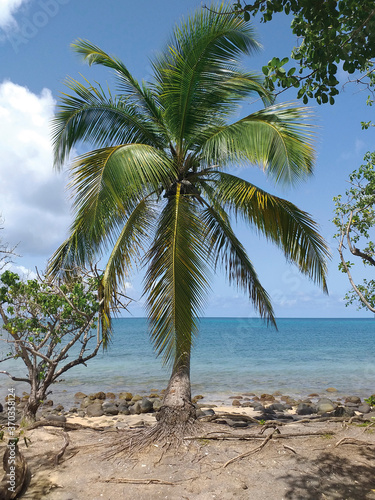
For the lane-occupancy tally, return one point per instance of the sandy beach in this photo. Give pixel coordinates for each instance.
(299, 460)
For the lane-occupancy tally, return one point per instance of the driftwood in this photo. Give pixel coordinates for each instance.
(16, 472)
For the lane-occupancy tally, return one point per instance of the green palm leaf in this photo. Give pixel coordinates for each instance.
(231, 254)
(94, 117)
(140, 95)
(176, 278)
(193, 74)
(280, 221)
(277, 138)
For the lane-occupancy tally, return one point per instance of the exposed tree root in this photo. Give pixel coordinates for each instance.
(348, 440)
(290, 449)
(250, 437)
(251, 452)
(65, 436)
(136, 481)
(231, 416)
(169, 431)
(64, 425)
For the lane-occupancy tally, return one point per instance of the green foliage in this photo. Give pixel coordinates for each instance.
(154, 189)
(44, 319)
(31, 304)
(371, 400)
(355, 221)
(329, 33)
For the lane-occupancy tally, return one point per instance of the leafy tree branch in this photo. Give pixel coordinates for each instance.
(355, 220)
(329, 34)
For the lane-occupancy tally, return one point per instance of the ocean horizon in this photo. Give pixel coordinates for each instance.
(231, 356)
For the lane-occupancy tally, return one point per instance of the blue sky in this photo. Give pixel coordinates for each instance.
(35, 59)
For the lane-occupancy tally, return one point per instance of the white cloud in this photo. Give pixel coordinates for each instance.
(22, 271)
(33, 200)
(7, 9)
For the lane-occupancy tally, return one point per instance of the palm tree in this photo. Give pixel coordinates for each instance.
(155, 190)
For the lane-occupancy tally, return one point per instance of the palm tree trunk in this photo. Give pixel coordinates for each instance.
(177, 410)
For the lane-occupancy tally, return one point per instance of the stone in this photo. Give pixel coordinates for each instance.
(123, 405)
(94, 410)
(235, 402)
(136, 398)
(136, 407)
(364, 408)
(126, 395)
(259, 408)
(209, 412)
(110, 395)
(235, 423)
(85, 403)
(331, 389)
(352, 405)
(156, 405)
(269, 411)
(1, 408)
(342, 411)
(277, 393)
(251, 394)
(306, 409)
(313, 395)
(49, 402)
(97, 395)
(278, 407)
(285, 398)
(110, 409)
(80, 395)
(146, 405)
(325, 405)
(198, 397)
(353, 399)
(267, 397)
(154, 395)
(55, 418)
(235, 397)
(59, 408)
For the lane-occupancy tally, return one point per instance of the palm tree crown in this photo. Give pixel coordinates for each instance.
(155, 189)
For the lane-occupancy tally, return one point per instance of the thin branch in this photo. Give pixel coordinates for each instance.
(16, 379)
(347, 270)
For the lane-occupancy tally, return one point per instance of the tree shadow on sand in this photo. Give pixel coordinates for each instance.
(334, 477)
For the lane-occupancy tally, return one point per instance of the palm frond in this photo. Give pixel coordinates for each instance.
(292, 229)
(127, 249)
(176, 279)
(92, 116)
(231, 254)
(193, 74)
(278, 138)
(141, 95)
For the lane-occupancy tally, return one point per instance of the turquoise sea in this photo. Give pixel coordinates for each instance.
(232, 355)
